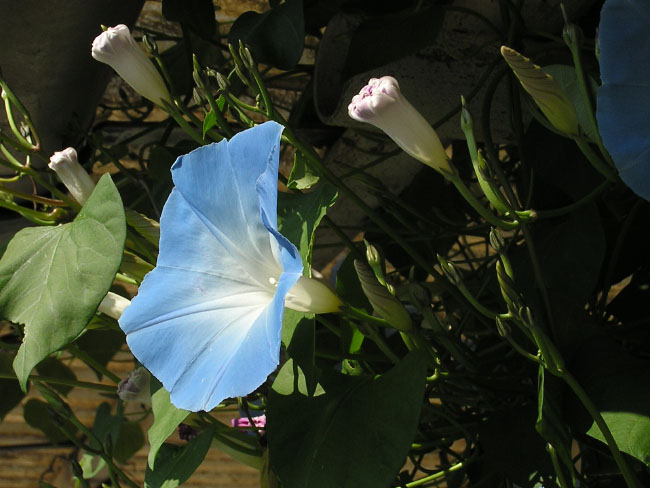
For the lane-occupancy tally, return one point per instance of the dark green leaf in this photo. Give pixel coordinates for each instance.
(129, 441)
(176, 464)
(101, 345)
(38, 415)
(510, 445)
(302, 350)
(348, 286)
(166, 419)
(275, 37)
(300, 214)
(196, 14)
(619, 385)
(385, 38)
(54, 368)
(106, 427)
(53, 278)
(355, 431)
(11, 394)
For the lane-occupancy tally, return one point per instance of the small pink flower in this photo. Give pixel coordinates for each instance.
(382, 104)
(259, 422)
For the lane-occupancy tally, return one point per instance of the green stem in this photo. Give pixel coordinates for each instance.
(628, 474)
(63, 381)
(34, 216)
(556, 466)
(478, 206)
(585, 91)
(598, 164)
(437, 476)
(86, 358)
(590, 197)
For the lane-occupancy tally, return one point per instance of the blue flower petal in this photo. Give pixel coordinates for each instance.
(207, 320)
(624, 98)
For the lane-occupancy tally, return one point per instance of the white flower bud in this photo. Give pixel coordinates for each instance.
(313, 296)
(117, 48)
(71, 173)
(382, 104)
(113, 305)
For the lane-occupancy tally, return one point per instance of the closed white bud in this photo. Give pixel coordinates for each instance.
(313, 296)
(113, 305)
(382, 104)
(78, 182)
(117, 48)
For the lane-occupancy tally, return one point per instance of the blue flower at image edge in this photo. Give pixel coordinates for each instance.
(624, 99)
(207, 320)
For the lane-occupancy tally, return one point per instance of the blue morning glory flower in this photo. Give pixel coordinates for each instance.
(207, 320)
(624, 98)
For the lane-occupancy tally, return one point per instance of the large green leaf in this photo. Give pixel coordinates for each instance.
(53, 278)
(300, 214)
(176, 464)
(275, 37)
(166, 418)
(355, 431)
(619, 385)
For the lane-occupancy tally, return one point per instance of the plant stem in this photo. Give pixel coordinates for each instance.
(63, 381)
(628, 474)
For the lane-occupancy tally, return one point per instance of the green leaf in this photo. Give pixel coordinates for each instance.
(301, 177)
(53, 278)
(619, 385)
(300, 214)
(143, 225)
(11, 392)
(106, 426)
(54, 368)
(166, 419)
(209, 122)
(38, 415)
(129, 441)
(176, 464)
(275, 37)
(134, 266)
(348, 286)
(566, 77)
(356, 430)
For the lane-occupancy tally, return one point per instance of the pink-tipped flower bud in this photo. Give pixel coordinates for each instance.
(66, 165)
(135, 387)
(117, 48)
(382, 104)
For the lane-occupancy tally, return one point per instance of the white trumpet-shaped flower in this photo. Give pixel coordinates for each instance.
(117, 48)
(207, 320)
(78, 182)
(382, 104)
